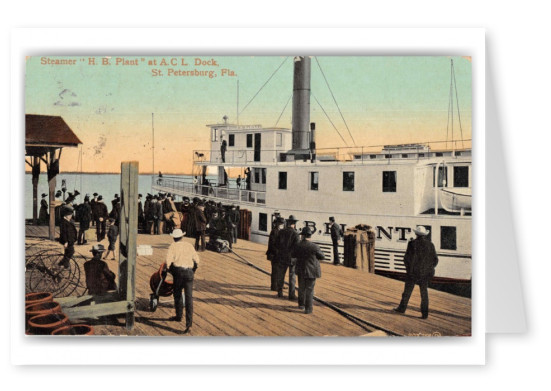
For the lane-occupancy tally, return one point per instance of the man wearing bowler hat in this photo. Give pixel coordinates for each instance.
(420, 261)
(101, 218)
(99, 279)
(308, 257)
(67, 235)
(285, 242)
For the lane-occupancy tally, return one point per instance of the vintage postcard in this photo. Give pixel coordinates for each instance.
(248, 195)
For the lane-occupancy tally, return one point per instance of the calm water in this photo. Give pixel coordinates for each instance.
(105, 184)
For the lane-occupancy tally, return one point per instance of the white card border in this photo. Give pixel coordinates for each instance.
(235, 350)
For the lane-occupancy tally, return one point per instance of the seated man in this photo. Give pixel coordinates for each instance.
(99, 279)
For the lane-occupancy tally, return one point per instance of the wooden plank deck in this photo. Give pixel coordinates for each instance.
(231, 298)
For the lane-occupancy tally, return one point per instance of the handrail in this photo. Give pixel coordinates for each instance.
(184, 188)
(357, 154)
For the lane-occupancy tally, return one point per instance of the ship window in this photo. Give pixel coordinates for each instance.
(282, 180)
(263, 172)
(389, 181)
(214, 134)
(348, 181)
(263, 222)
(461, 177)
(231, 140)
(421, 155)
(439, 154)
(257, 175)
(448, 238)
(442, 176)
(373, 156)
(404, 156)
(388, 156)
(458, 154)
(314, 180)
(249, 140)
(279, 139)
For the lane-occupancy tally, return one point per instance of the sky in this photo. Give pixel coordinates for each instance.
(116, 104)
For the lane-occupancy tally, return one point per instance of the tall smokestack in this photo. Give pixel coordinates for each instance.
(301, 103)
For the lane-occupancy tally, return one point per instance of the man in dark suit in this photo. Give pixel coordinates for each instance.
(336, 234)
(200, 226)
(101, 218)
(67, 235)
(308, 257)
(93, 207)
(223, 147)
(157, 215)
(278, 225)
(85, 215)
(234, 221)
(285, 242)
(140, 212)
(420, 261)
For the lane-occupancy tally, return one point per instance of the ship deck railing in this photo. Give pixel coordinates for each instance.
(184, 188)
(363, 154)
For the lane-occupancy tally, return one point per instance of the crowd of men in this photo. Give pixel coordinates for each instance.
(299, 257)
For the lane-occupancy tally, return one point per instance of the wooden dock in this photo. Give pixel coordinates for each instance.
(233, 298)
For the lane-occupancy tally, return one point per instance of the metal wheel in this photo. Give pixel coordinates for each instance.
(44, 274)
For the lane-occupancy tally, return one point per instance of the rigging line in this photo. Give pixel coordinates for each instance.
(451, 99)
(450, 109)
(334, 127)
(282, 111)
(335, 100)
(457, 103)
(263, 85)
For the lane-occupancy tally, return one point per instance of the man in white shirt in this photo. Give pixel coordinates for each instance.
(181, 261)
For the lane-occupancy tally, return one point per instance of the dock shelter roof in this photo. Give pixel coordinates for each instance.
(47, 131)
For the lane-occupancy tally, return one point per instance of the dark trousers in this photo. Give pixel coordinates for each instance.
(234, 233)
(335, 251)
(282, 270)
(200, 235)
(423, 289)
(67, 255)
(156, 225)
(183, 279)
(100, 230)
(273, 276)
(81, 236)
(306, 293)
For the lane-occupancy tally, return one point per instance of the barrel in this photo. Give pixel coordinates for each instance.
(166, 287)
(74, 329)
(37, 297)
(45, 324)
(44, 308)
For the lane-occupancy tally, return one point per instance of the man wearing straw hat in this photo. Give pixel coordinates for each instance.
(181, 261)
(420, 261)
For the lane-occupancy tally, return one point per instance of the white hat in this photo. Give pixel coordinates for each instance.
(177, 233)
(421, 230)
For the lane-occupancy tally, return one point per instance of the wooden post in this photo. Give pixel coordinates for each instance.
(35, 178)
(51, 191)
(128, 237)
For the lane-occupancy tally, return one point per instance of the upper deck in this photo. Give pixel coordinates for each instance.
(239, 155)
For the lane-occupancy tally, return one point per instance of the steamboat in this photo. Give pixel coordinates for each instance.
(392, 188)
